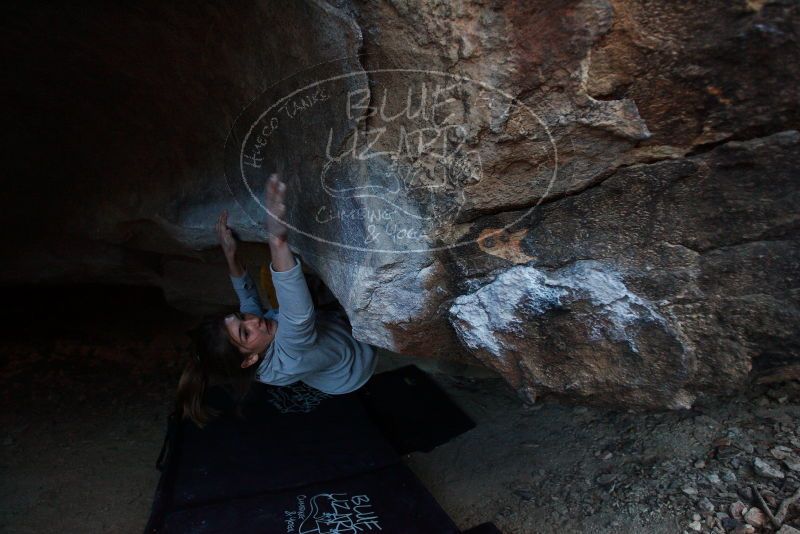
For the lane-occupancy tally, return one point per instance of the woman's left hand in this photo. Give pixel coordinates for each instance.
(226, 239)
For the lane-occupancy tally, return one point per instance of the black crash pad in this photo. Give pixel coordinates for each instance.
(269, 450)
(301, 461)
(413, 413)
(387, 500)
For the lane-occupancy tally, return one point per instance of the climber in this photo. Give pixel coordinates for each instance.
(294, 342)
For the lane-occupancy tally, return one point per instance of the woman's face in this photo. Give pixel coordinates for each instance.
(250, 333)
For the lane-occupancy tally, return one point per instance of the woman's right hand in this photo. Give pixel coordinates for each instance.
(226, 239)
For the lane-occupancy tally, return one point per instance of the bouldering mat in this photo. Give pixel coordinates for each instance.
(387, 500)
(412, 411)
(288, 437)
(295, 446)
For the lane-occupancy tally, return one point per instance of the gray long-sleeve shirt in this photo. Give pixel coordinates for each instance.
(309, 345)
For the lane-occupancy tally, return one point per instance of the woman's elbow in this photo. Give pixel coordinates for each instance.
(310, 339)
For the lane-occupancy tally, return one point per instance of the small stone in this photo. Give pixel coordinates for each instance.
(740, 440)
(699, 464)
(728, 476)
(524, 494)
(764, 469)
(605, 455)
(605, 480)
(792, 465)
(781, 452)
(737, 510)
(713, 478)
(689, 490)
(786, 529)
(726, 453)
(706, 420)
(696, 526)
(778, 395)
(729, 523)
(745, 493)
(755, 517)
(696, 517)
(705, 504)
(770, 498)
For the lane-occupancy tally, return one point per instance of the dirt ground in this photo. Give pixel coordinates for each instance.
(86, 393)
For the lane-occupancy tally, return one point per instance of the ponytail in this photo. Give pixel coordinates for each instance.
(214, 361)
(191, 392)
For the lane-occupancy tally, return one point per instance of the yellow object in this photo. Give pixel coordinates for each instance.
(265, 281)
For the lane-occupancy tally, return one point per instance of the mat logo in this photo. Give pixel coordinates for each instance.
(332, 513)
(297, 398)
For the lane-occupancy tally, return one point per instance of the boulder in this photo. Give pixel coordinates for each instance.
(597, 199)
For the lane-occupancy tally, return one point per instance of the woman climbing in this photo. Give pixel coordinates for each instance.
(294, 342)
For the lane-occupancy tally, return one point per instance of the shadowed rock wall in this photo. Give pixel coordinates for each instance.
(661, 261)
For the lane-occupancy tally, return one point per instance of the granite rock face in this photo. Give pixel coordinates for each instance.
(591, 335)
(690, 269)
(619, 222)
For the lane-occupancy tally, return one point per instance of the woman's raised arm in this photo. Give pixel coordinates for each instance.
(282, 259)
(228, 243)
(249, 300)
(297, 324)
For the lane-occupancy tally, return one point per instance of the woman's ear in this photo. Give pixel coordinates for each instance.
(250, 360)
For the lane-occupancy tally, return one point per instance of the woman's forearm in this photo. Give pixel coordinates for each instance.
(282, 257)
(235, 265)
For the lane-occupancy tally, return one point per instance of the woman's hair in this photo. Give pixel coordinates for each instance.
(214, 361)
